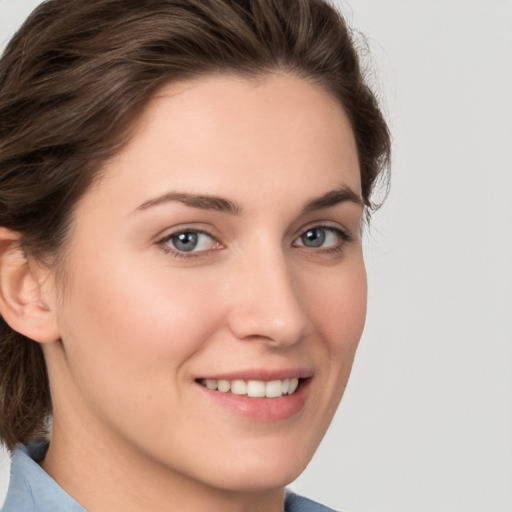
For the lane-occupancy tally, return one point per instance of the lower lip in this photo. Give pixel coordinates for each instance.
(262, 409)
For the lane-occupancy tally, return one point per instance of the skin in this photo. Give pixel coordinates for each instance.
(138, 324)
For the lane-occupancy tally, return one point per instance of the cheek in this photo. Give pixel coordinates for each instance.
(338, 308)
(134, 326)
(338, 311)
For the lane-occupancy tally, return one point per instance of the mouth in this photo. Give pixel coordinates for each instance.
(254, 388)
(259, 395)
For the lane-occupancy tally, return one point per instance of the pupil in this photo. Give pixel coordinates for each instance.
(314, 237)
(185, 241)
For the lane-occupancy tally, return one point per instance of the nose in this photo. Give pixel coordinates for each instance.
(266, 302)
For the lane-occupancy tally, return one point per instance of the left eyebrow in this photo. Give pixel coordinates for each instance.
(333, 198)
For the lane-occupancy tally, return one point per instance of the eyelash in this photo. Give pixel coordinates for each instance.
(343, 236)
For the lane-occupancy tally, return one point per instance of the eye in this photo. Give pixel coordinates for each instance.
(322, 237)
(189, 241)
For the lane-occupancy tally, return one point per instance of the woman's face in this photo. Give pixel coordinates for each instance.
(220, 248)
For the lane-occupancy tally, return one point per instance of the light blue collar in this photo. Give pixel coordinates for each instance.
(31, 489)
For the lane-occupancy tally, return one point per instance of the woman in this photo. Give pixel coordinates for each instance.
(182, 286)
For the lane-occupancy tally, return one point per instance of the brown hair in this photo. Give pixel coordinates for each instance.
(79, 72)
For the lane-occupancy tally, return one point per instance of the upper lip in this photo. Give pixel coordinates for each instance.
(264, 374)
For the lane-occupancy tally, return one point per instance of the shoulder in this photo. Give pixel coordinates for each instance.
(296, 503)
(19, 495)
(31, 489)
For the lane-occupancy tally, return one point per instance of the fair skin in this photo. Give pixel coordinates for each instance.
(266, 283)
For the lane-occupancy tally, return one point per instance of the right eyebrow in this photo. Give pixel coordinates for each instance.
(332, 198)
(204, 202)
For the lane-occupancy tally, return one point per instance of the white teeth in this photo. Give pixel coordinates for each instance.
(211, 383)
(294, 383)
(223, 386)
(273, 389)
(238, 387)
(254, 388)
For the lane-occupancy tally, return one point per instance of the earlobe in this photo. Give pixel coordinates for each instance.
(26, 300)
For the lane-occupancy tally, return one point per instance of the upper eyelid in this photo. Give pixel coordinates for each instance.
(167, 233)
(332, 225)
(341, 232)
(181, 231)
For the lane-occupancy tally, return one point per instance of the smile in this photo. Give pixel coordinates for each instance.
(253, 388)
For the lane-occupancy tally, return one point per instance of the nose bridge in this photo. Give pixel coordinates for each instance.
(267, 303)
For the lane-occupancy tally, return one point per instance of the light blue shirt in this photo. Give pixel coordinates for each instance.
(33, 490)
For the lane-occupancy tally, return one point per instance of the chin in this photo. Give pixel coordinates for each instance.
(258, 480)
(264, 469)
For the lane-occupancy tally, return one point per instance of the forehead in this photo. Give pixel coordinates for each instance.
(228, 135)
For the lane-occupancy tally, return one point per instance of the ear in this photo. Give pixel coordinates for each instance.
(27, 295)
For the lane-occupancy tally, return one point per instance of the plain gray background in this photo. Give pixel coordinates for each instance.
(426, 421)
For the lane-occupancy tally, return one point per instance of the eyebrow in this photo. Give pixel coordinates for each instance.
(204, 202)
(220, 204)
(332, 198)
